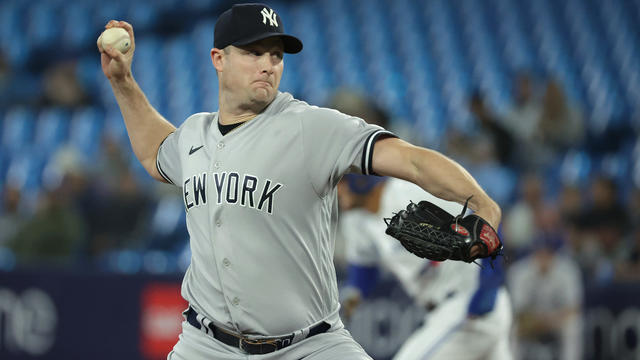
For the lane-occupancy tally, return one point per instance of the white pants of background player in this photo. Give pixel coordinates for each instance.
(449, 334)
(334, 344)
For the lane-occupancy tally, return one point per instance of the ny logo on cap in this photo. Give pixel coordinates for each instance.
(269, 14)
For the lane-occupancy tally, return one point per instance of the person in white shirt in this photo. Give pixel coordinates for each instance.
(547, 294)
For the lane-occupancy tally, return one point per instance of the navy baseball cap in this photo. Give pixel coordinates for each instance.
(247, 23)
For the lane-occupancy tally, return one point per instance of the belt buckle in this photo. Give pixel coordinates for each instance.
(249, 346)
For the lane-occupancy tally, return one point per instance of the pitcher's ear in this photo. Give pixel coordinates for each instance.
(217, 58)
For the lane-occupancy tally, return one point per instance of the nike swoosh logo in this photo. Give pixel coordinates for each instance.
(195, 149)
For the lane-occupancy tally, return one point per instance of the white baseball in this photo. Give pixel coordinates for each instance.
(116, 37)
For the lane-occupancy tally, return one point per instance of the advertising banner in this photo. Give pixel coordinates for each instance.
(138, 317)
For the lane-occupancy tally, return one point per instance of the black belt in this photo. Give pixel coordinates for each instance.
(254, 347)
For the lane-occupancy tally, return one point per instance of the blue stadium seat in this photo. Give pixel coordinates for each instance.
(18, 132)
(77, 28)
(181, 79)
(114, 127)
(207, 97)
(202, 34)
(167, 225)
(149, 70)
(575, 167)
(120, 261)
(25, 169)
(317, 78)
(13, 40)
(42, 28)
(89, 73)
(104, 11)
(142, 176)
(618, 166)
(85, 131)
(4, 164)
(144, 15)
(52, 128)
(207, 92)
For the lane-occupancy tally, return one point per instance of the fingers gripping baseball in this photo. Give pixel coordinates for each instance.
(115, 64)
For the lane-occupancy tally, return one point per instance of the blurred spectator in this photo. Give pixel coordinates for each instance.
(628, 268)
(503, 142)
(634, 206)
(497, 180)
(11, 217)
(603, 226)
(522, 118)
(167, 226)
(546, 288)
(561, 124)
(16, 87)
(543, 128)
(61, 86)
(119, 221)
(571, 204)
(112, 205)
(57, 231)
(111, 165)
(54, 233)
(523, 221)
(359, 105)
(477, 153)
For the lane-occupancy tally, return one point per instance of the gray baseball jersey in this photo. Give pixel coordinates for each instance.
(262, 212)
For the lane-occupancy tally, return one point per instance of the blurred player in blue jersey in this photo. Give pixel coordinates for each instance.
(469, 312)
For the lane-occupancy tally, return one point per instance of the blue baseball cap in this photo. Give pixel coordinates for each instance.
(362, 184)
(247, 23)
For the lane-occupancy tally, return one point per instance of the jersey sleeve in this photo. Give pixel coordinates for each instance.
(335, 143)
(168, 159)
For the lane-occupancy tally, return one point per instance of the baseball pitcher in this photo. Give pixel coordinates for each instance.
(258, 180)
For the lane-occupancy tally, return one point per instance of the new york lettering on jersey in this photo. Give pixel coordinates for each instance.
(230, 188)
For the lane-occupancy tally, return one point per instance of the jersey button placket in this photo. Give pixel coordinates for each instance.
(217, 164)
(226, 263)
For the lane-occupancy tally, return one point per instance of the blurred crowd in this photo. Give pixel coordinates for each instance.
(101, 216)
(560, 233)
(519, 158)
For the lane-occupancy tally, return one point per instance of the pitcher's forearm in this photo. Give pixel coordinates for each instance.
(145, 126)
(445, 178)
(435, 173)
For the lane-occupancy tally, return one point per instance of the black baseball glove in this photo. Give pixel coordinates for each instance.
(432, 233)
